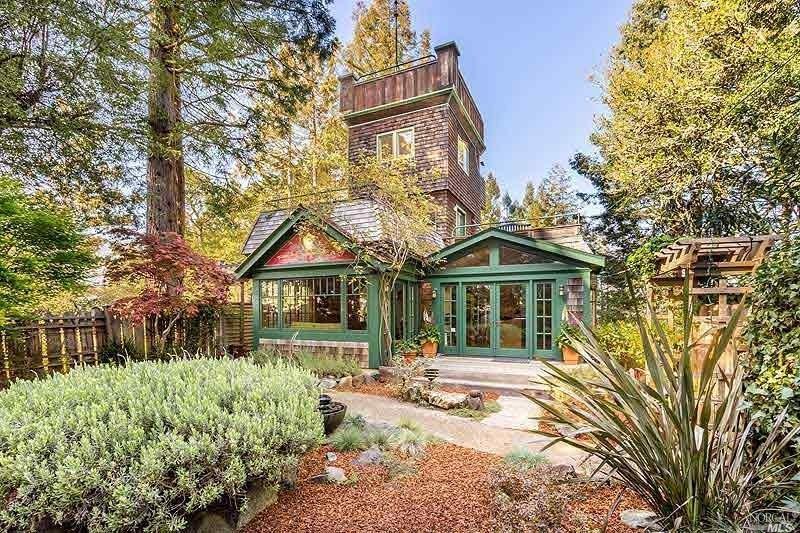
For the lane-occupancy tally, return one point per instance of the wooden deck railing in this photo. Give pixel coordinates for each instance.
(410, 80)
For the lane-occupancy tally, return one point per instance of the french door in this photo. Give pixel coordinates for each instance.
(513, 319)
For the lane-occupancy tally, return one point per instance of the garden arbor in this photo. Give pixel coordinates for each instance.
(716, 268)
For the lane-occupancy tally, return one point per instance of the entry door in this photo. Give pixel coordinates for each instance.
(496, 319)
(479, 319)
(512, 319)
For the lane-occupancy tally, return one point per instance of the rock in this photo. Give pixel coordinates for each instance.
(640, 519)
(358, 380)
(330, 456)
(563, 471)
(445, 400)
(369, 379)
(346, 381)
(327, 383)
(289, 477)
(372, 456)
(414, 393)
(208, 522)
(475, 393)
(475, 403)
(334, 474)
(387, 373)
(259, 497)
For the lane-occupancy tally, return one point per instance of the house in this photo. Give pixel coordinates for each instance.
(494, 291)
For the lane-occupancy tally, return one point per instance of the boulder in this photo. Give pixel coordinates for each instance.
(358, 380)
(372, 456)
(475, 403)
(640, 519)
(327, 383)
(475, 393)
(346, 381)
(387, 373)
(334, 474)
(208, 522)
(289, 477)
(330, 456)
(445, 400)
(369, 379)
(259, 497)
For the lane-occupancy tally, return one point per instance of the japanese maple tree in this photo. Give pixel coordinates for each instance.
(172, 281)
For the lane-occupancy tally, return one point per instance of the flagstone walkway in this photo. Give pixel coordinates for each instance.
(487, 436)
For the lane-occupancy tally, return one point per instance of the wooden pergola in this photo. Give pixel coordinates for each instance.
(715, 267)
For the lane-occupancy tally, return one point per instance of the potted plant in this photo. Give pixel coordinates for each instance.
(429, 339)
(408, 348)
(568, 353)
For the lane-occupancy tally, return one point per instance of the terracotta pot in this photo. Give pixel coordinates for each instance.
(570, 356)
(430, 349)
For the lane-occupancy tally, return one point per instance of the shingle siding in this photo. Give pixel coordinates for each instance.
(436, 133)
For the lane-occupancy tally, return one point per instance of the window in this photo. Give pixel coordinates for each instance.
(544, 316)
(357, 304)
(312, 303)
(477, 257)
(449, 314)
(398, 143)
(514, 256)
(461, 223)
(269, 304)
(463, 155)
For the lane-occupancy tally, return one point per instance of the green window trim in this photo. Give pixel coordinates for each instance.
(275, 295)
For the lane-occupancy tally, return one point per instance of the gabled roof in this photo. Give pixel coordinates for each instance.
(572, 255)
(357, 218)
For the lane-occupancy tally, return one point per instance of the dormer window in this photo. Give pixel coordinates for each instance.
(396, 144)
(463, 155)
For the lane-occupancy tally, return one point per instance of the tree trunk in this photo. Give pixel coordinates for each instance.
(165, 178)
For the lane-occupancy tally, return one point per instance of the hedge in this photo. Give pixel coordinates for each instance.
(142, 447)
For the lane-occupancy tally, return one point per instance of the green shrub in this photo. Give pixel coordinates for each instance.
(348, 439)
(621, 341)
(524, 459)
(378, 437)
(319, 365)
(489, 407)
(681, 444)
(140, 447)
(408, 442)
(409, 424)
(773, 336)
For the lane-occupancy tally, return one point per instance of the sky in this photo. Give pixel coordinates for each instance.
(528, 65)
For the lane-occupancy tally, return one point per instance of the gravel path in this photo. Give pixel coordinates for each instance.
(460, 431)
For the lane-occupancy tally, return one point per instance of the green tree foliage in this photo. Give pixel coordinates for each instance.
(490, 213)
(555, 196)
(42, 250)
(70, 96)
(773, 336)
(373, 45)
(700, 137)
(78, 78)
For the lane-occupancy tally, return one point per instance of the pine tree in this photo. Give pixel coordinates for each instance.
(490, 213)
(374, 47)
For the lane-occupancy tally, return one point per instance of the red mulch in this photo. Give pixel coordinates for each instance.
(448, 493)
(391, 390)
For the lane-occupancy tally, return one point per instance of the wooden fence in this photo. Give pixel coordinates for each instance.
(35, 348)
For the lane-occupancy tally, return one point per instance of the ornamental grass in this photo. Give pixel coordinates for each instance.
(678, 440)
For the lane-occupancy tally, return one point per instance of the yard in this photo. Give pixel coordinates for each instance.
(447, 489)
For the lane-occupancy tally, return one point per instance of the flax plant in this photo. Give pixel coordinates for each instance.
(685, 445)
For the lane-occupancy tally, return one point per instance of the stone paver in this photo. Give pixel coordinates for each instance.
(461, 431)
(517, 413)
